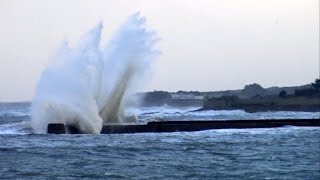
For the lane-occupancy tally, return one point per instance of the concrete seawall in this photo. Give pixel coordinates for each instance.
(188, 126)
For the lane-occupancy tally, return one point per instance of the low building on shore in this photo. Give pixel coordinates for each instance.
(186, 96)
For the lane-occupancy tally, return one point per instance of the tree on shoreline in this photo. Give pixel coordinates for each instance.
(316, 84)
(314, 89)
(283, 94)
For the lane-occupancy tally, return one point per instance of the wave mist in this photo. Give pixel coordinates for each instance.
(88, 85)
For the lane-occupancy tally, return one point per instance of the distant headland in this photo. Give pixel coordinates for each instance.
(252, 98)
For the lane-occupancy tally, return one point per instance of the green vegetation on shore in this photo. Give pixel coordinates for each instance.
(252, 98)
(306, 99)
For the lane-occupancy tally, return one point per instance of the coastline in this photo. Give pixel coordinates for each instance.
(264, 104)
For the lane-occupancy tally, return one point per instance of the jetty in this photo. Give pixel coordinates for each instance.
(186, 126)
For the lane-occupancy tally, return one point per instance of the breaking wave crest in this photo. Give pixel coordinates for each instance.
(88, 85)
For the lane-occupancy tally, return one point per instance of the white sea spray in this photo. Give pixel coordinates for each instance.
(88, 85)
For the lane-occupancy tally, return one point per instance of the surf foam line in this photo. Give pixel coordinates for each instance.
(88, 85)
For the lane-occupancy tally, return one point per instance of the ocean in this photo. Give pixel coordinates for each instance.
(275, 153)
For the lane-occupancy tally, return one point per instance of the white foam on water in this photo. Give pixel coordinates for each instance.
(13, 114)
(15, 128)
(170, 112)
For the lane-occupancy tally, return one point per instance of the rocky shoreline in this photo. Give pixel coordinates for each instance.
(252, 98)
(262, 104)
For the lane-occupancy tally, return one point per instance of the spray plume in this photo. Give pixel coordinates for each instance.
(88, 85)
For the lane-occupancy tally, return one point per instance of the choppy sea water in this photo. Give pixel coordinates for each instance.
(276, 153)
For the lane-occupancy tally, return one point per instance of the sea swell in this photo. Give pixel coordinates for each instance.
(280, 153)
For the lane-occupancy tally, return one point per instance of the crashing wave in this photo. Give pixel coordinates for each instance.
(88, 85)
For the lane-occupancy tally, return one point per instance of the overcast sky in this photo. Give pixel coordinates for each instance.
(206, 45)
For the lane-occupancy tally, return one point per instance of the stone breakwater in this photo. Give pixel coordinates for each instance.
(186, 126)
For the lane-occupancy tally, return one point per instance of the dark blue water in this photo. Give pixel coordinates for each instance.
(278, 153)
